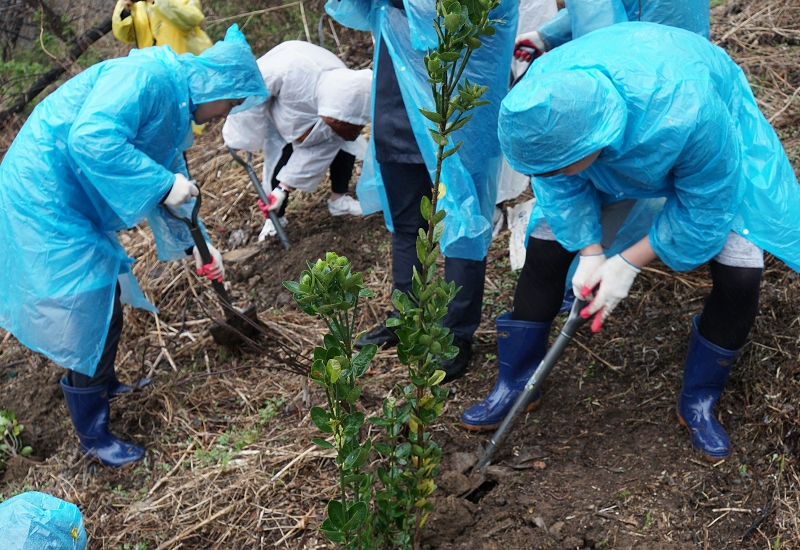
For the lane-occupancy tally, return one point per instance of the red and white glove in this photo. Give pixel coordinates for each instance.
(182, 191)
(615, 278)
(276, 198)
(587, 265)
(214, 271)
(529, 46)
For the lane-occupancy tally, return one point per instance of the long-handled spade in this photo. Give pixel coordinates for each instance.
(574, 322)
(248, 166)
(237, 323)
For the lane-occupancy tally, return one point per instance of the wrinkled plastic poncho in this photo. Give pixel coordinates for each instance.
(583, 16)
(470, 176)
(38, 521)
(674, 117)
(173, 23)
(305, 82)
(96, 157)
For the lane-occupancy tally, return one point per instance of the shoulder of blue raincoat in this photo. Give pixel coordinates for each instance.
(355, 14)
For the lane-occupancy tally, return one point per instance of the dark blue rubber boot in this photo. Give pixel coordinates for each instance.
(88, 408)
(705, 376)
(521, 346)
(116, 388)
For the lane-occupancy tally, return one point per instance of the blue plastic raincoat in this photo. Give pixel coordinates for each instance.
(38, 521)
(674, 117)
(583, 16)
(96, 157)
(471, 175)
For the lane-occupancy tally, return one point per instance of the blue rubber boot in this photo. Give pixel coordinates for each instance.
(116, 388)
(89, 411)
(566, 304)
(704, 378)
(521, 346)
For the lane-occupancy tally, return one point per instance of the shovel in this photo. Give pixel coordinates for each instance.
(237, 323)
(574, 322)
(248, 166)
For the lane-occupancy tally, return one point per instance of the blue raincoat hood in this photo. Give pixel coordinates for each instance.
(558, 119)
(95, 157)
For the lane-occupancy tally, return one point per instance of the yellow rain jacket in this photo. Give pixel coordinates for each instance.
(172, 22)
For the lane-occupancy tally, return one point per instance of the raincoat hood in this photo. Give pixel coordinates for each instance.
(345, 95)
(548, 122)
(227, 70)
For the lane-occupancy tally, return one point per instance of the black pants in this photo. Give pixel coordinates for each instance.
(405, 186)
(105, 368)
(341, 171)
(728, 315)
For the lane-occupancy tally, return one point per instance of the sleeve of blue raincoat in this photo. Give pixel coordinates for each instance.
(351, 13)
(571, 205)
(708, 189)
(130, 182)
(581, 17)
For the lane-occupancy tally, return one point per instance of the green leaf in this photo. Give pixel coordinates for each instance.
(422, 250)
(425, 208)
(450, 56)
(357, 514)
(354, 394)
(293, 286)
(436, 378)
(488, 31)
(438, 138)
(351, 459)
(351, 423)
(362, 360)
(321, 418)
(393, 322)
(472, 42)
(336, 514)
(439, 216)
(383, 449)
(403, 450)
(430, 259)
(451, 23)
(322, 443)
(438, 231)
(455, 126)
(330, 341)
(430, 115)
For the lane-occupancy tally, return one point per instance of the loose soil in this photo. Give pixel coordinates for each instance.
(603, 463)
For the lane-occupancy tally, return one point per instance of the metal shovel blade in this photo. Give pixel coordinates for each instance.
(236, 325)
(574, 322)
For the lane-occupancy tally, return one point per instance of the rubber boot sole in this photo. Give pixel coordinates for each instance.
(712, 459)
(532, 407)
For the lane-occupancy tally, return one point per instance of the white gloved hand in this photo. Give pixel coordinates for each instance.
(215, 270)
(276, 198)
(615, 278)
(269, 228)
(528, 46)
(182, 191)
(586, 266)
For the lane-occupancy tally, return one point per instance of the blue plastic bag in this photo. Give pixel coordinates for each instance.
(38, 521)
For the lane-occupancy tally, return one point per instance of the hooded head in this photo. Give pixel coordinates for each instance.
(227, 70)
(344, 94)
(551, 120)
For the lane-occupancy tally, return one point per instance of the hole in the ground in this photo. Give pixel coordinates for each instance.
(481, 491)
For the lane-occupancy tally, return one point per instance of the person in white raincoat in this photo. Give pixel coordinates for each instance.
(101, 154)
(310, 124)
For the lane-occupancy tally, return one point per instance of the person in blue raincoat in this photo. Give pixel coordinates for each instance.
(641, 110)
(577, 19)
(402, 154)
(582, 16)
(101, 154)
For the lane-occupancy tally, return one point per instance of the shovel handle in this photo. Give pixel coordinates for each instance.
(574, 322)
(248, 166)
(202, 247)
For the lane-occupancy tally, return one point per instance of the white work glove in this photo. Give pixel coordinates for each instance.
(215, 270)
(528, 46)
(269, 228)
(182, 191)
(615, 278)
(587, 265)
(276, 198)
